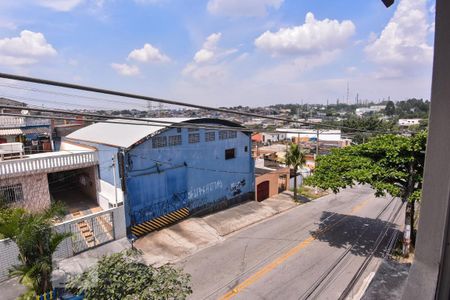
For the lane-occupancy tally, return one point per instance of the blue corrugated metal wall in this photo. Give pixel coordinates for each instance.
(192, 175)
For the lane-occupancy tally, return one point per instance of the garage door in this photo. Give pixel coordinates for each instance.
(262, 191)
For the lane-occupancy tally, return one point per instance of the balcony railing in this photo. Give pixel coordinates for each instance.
(47, 163)
(17, 122)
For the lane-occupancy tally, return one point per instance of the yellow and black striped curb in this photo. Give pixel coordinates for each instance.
(149, 226)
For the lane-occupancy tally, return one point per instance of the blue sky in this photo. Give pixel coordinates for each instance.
(223, 52)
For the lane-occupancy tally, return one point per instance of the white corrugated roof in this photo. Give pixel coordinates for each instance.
(120, 135)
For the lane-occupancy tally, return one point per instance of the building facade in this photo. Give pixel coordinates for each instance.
(164, 174)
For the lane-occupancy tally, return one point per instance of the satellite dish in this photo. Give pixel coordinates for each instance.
(24, 112)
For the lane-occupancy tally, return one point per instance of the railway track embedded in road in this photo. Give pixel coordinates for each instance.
(332, 272)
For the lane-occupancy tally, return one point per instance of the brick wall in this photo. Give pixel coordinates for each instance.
(35, 191)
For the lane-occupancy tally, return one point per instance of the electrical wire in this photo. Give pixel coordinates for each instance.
(165, 101)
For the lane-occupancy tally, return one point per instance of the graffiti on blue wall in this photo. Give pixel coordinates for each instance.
(203, 190)
(236, 187)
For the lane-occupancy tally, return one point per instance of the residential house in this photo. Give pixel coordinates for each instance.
(409, 122)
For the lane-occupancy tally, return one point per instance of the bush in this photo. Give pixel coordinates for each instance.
(124, 276)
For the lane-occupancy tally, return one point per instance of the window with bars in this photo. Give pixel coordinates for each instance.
(11, 193)
(227, 134)
(175, 140)
(210, 136)
(194, 138)
(159, 141)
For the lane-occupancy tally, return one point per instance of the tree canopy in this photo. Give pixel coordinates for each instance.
(391, 164)
(33, 234)
(123, 276)
(295, 158)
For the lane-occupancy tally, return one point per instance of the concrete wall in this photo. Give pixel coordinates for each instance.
(107, 196)
(89, 185)
(35, 191)
(8, 258)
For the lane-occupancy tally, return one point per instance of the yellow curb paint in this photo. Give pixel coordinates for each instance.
(281, 259)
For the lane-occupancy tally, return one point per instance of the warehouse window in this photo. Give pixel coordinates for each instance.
(11, 193)
(210, 136)
(178, 130)
(227, 134)
(174, 140)
(159, 141)
(192, 129)
(229, 153)
(246, 148)
(194, 138)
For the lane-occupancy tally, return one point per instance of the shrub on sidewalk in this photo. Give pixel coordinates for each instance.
(124, 276)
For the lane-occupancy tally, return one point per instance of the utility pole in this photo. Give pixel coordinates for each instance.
(316, 191)
(317, 145)
(114, 177)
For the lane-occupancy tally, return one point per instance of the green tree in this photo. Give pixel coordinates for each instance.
(371, 125)
(295, 158)
(124, 276)
(391, 164)
(33, 234)
(390, 108)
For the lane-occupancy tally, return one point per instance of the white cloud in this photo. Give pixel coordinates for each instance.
(60, 5)
(402, 45)
(208, 51)
(208, 62)
(312, 37)
(242, 8)
(26, 49)
(125, 69)
(148, 54)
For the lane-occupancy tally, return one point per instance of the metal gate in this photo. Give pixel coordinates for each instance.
(262, 190)
(92, 231)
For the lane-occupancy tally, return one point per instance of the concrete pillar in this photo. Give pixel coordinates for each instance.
(429, 276)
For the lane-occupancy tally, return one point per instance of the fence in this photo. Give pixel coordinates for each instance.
(103, 227)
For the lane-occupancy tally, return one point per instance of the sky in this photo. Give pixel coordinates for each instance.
(222, 52)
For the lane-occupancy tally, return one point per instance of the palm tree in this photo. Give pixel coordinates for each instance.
(295, 158)
(33, 234)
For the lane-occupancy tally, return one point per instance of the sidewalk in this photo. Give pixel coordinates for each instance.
(174, 243)
(171, 244)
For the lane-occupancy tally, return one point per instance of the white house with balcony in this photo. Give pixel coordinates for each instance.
(34, 181)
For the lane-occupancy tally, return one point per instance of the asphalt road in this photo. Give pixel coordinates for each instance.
(310, 252)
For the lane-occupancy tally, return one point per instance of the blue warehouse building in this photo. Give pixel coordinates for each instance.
(164, 173)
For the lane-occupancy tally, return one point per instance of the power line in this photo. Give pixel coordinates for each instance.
(154, 99)
(143, 122)
(25, 88)
(113, 119)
